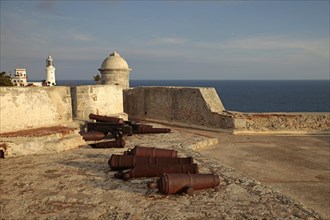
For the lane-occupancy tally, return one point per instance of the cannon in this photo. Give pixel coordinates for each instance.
(143, 170)
(173, 183)
(103, 118)
(117, 126)
(118, 143)
(92, 135)
(117, 130)
(148, 129)
(151, 152)
(124, 162)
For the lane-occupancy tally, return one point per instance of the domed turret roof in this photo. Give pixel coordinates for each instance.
(114, 62)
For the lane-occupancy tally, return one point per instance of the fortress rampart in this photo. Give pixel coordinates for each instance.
(203, 107)
(97, 99)
(35, 107)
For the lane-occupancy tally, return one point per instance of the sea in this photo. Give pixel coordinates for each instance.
(252, 95)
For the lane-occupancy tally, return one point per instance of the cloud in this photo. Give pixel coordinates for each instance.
(254, 50)
(82, 37)
(167, 41)
(276, 45)
(47, 4)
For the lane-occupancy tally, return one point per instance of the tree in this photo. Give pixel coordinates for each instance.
(97, 79)
(5, 79)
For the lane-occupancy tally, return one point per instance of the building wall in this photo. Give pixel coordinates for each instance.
(33, 107)
(115, 77)
(96, 99)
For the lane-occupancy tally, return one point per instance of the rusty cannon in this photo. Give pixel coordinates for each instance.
(117, 130)
(117, 126)
(173, 183)
(151, 152)
(92, 135)
(124, 162)
(143, 170)
(148, 129)
(118, 143)
(103, 118)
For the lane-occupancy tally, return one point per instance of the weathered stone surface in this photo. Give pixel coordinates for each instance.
(45, 140)
(203, 107)
(282, 122)
(34, 107)
(77, 184)
(182, 104)
(96, 99)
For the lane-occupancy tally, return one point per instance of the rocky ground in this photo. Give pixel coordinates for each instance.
(78, 184)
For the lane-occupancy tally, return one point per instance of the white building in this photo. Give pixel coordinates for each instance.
(20, 77)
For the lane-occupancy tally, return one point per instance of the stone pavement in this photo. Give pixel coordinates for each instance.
(298, 166)
(77, 184)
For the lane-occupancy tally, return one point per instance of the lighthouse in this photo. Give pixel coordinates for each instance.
(50, 72)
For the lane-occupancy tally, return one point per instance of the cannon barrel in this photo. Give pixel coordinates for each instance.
(143, 170)
(123, 162)
(92, 135)
(103, 118)
(146, 129)
(151, 152)
(173, 183)
(118, 143)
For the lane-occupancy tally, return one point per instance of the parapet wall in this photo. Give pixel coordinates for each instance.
(203, 107)
(25, 108)
(193, 106)
(34, 107)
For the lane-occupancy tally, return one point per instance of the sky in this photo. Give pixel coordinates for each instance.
(168, 40)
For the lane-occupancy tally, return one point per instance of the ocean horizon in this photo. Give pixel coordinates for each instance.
(252, 95)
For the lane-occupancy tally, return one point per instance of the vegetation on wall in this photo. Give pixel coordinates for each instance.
(5, 79)
(97, 79)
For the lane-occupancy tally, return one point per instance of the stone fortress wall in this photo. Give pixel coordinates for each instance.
(35, 107)
(198, 107)
(97, 99)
